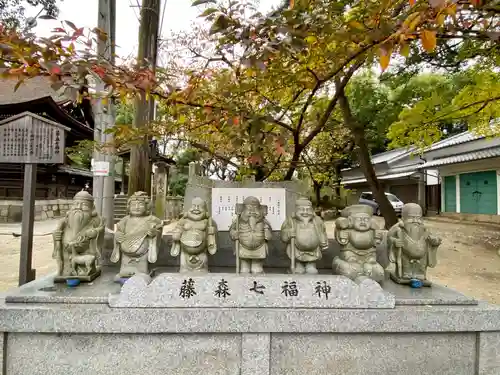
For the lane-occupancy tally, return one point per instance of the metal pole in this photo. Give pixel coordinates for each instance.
(26, 273)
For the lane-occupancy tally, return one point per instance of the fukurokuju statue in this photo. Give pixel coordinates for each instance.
(137, 237)
(194, 238)
(358, 236)
(251, 232)
(304, 233)
(78, 241)
(411, 247)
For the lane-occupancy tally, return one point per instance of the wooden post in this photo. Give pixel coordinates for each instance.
(26, 273)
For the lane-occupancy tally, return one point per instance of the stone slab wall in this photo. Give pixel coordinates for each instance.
(251, 353)
(12, 211)
(173, 207)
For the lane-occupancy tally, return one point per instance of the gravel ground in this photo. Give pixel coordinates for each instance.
(467, 257)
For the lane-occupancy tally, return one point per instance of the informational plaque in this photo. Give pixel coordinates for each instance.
(224, 202)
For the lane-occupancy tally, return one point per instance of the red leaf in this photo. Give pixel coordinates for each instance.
(58, 30)
(412, 2)
(55, 70)
(236, 121)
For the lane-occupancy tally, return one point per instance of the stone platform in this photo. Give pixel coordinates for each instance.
(51, 329)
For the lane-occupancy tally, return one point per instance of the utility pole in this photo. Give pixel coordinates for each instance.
(103, 187)
(140, 164)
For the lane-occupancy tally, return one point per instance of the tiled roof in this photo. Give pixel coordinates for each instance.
(454, 140)
(391, 176)
(461, 158)
(33, 88)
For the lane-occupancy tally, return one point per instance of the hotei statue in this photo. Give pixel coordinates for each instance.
(411, 247)
(137, 237)
(358, 236)
(194, 237)
(250, 230)
(78, 241)
(304, 233)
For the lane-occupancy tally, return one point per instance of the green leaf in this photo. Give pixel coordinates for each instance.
(208, 12)
(221, 23)
(201, 2)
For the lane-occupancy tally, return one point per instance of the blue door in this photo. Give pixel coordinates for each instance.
(478, 193)
(450, 194)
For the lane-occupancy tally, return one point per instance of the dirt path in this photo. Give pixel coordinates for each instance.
(467, 259)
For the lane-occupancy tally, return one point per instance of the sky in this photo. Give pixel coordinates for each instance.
(179, 15)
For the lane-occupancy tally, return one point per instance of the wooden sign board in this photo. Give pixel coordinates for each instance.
(31, 139)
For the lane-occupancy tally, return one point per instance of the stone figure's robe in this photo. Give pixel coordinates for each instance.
(310, 238)
(134, 246)
(192, 239)
(75, 241)
(252, 244)
(415, 255)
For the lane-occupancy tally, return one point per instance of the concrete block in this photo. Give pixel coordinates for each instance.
(384, 354)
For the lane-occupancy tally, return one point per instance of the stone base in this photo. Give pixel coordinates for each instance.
(425, 283)
(64, 331)
(83, 279)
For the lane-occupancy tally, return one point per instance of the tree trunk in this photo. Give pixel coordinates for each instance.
(317, 193)
(140, 164)
(365, 162)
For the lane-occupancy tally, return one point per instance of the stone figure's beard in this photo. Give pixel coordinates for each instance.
(78, 219)
(414, 230)
(305, 218)
(196, 216)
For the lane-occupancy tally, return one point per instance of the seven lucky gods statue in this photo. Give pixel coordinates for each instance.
(358, 237)
(251, 231)
(78, 241)
(411, 248)
(304, 233)
(136, 237)
(194, 237)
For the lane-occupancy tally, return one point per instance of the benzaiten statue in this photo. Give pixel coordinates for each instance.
(251, 231)
(137, 237)
(358, 237)
(304, 233)
(78, 241)
(411, 247)
(194, 238)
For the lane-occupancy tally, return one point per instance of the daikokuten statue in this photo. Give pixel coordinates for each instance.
(78, 241)
(304, 233)
(411, 247)
(136, 237)
(194, 238)
(251, 232)
(358, 237)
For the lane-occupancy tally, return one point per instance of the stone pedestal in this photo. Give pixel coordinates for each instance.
(53, 329)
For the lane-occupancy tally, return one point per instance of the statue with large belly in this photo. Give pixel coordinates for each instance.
(251, 231)
(194, 238)
(304, 234)
(358, 237)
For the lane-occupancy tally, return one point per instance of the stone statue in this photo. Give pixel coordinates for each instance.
(411, 247)
(194, 237)
(78, 241)
(250, 230)
(137, 237)
(304, 233)
(358, 237)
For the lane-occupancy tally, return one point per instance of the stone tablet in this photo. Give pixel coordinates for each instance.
(263, 291)
(224, 201)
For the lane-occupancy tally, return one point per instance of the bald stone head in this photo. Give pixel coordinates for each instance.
(198, 210)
